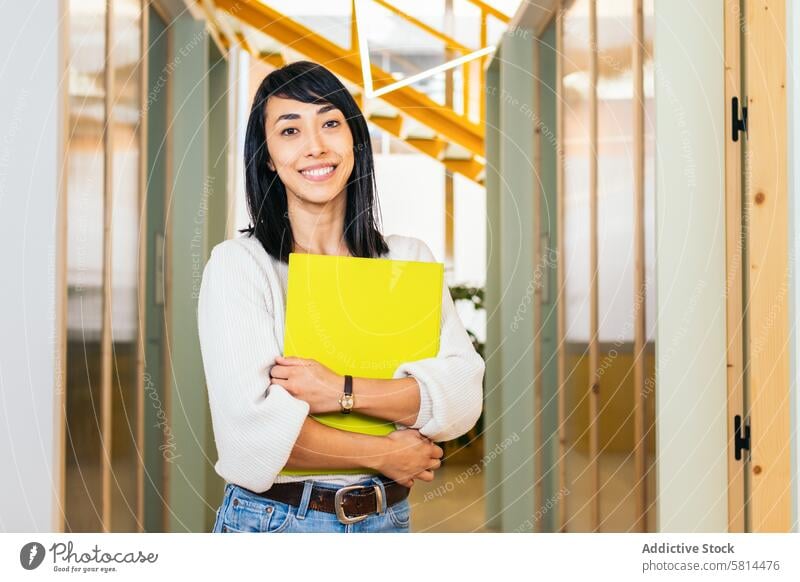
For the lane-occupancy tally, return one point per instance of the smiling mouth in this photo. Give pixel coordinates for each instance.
(319, 173)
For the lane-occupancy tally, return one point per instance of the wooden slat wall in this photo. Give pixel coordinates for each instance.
(639, 331)
(61, 279)
(106, 339)
(144, 33)
(560, 279)
(594, 388)
(594, 345)
(769, 266)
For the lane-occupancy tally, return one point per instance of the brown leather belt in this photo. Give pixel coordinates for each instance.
(351, 503)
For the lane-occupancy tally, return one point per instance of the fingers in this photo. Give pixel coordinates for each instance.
(292, 361)
(437, 452)
(424, 438)
(280, 372)
(425, 476)
(435, 464)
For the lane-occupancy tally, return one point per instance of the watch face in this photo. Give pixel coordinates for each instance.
(346, 401)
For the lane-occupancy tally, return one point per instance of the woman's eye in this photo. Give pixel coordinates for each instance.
(289, 131)
(331, 123)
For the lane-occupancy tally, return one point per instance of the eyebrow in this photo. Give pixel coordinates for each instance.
(320, 111)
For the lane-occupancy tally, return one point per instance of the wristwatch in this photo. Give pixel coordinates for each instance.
(346, 400)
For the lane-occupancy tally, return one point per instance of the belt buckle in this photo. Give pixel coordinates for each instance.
(338, 503)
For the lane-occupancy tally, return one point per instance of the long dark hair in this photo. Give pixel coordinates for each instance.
(266, 194)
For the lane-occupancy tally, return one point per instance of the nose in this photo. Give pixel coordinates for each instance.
(316, 145)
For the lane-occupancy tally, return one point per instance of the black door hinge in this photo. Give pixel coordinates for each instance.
(741, 436)
(738, 123)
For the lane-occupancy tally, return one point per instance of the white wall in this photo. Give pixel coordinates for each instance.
(470, 232)
(411, 197)
(690, 267)
(30, 137)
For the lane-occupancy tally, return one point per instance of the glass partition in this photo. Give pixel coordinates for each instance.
(125, 232)
(576, 60)
(85, 159)
(102, 425)
(626, 491)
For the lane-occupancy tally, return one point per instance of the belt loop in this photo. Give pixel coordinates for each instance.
(379, 482)
(308, 485)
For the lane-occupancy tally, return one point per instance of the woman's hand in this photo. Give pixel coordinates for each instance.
(309, 380)
(409, 455)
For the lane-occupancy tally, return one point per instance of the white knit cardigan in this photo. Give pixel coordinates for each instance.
(241, 313)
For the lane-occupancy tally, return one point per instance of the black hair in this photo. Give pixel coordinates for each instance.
(266, 194)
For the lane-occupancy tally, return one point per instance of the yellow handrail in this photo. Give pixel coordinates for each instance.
(450, 42)
(353, 28)
(242, 39)
(487, 9)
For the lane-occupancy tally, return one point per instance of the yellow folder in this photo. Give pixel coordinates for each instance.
(363, 317)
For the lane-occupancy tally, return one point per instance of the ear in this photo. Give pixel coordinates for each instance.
(270, 165)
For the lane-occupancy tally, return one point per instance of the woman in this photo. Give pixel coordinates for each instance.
(310, 189)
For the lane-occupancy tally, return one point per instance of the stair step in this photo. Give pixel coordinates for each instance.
(274, 59)
(472, 169)
(393, 125)
(433, 147)
(456, 152)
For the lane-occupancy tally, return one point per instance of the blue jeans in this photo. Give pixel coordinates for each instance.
(244, 511)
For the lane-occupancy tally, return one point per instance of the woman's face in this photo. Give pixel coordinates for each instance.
(310, 147)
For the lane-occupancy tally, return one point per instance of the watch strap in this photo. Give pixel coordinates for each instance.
(348, 385)
(348, 391)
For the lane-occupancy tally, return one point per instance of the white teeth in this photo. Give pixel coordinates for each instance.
(318, 171)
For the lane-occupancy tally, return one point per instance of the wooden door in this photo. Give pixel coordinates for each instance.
(759, 267)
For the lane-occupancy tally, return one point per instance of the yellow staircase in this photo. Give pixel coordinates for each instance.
(452, 138)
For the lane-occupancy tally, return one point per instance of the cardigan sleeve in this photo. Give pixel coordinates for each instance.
(255, 423)
(451, 384)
